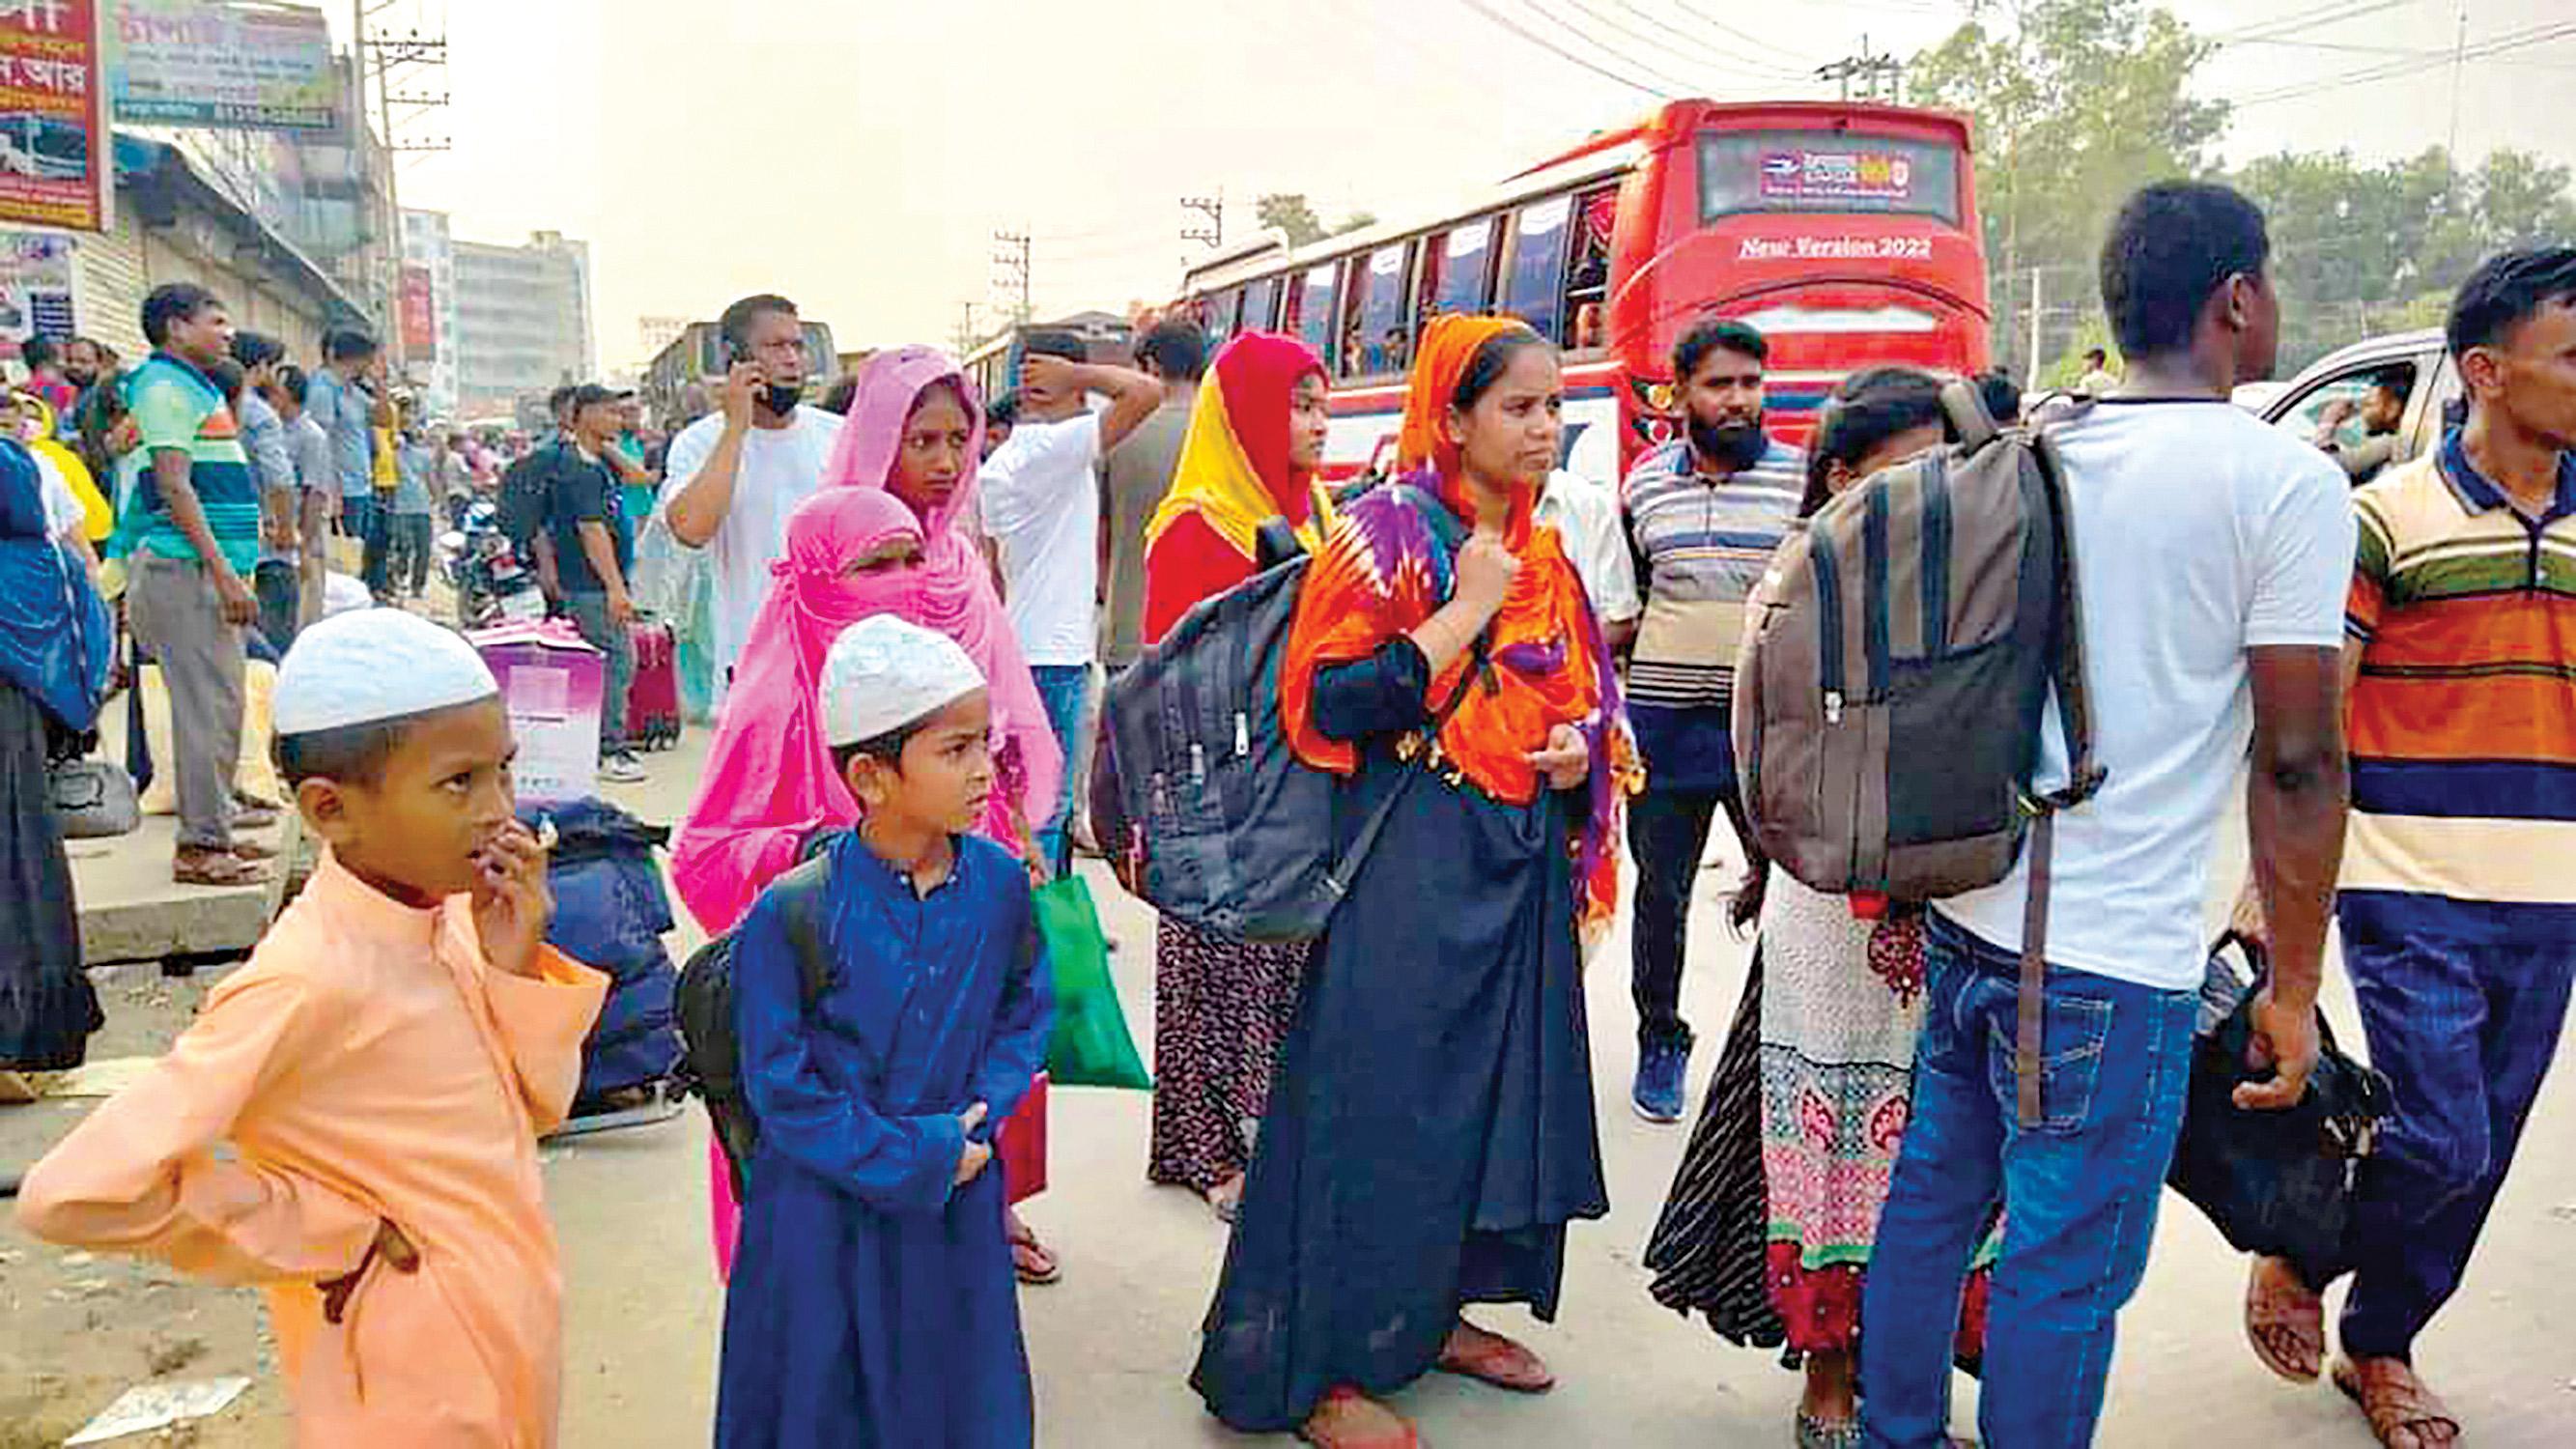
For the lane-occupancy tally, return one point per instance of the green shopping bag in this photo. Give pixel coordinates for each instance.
(1091, 1047)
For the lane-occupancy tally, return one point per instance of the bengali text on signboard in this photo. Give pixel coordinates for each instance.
(208, 63)
(53, 117)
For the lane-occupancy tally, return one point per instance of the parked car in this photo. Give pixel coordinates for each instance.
(2418, 361)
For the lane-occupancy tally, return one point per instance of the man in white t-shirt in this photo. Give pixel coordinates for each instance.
(1586, 515)
(2212, 558)
(1041, 503)
(733, 477)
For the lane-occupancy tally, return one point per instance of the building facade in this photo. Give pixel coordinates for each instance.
(174, 223)
(429, 354)
(523, 320)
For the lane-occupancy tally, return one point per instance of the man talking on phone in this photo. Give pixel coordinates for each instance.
(734, 476)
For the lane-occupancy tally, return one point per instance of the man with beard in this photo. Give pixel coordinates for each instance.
(1703, 513)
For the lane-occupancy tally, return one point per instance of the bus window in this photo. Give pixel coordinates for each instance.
(1823, 171)
(1465, 270)
(1532, 279)
(1222, 318)
(1311, 310)
(1260, 306)
(1378, 317)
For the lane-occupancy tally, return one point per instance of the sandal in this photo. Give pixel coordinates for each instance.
(2285, 1321)
(1226, 1199)
(1332, 1426)
(1031, 1263)
(2396, 1402)
(218, 869)
(253, 850)
(1488, 1357)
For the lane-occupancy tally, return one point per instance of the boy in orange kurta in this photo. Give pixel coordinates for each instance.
(380, 1070)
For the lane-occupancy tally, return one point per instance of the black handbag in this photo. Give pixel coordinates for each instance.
(2275, 1183)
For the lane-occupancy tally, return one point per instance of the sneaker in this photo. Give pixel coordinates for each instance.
(622, 769)
(1659, 1093)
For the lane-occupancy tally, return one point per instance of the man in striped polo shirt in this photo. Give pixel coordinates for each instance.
(188, 599)
(2458, 907)
(1704, 513)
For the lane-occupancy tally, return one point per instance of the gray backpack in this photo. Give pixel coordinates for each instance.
(1891, 693)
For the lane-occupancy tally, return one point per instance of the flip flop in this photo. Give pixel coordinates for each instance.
(2282, 1317)
(1495, 1360)
(1031, 1263)
(222, 872)
(2394, 1400)
(1333, 1438)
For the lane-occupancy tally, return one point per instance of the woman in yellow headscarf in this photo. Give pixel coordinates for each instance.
(1222, 1006)
(36, 419)
(1430, 1132)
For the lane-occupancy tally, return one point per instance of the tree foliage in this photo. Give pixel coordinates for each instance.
(2076, 103)
(1291, 215)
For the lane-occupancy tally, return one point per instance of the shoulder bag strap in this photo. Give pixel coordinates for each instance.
(2084, 777)
(1346, 868)
(800, 904)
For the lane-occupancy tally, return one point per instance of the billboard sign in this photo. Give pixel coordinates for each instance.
(35, 287)
(418, 306)
(212, 63)
(53, 115)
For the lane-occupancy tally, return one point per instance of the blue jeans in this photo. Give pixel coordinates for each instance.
(2079, 1193)
(616, 646)
(2465, 1030)
(1065, 688)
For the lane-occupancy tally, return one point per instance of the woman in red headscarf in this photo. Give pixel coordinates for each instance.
(1430, 1132)
(1222, 1006)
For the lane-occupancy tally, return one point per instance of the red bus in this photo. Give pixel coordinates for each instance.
(1846, 232)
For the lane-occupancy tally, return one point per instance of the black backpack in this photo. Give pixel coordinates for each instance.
(711, 1053)
(1196, 796)
(527, 497)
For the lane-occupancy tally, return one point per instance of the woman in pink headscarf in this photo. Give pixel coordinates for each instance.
(883, 537)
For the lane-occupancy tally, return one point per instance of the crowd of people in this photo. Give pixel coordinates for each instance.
(910, 598)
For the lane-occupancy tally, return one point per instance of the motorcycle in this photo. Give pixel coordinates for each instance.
(492, 585)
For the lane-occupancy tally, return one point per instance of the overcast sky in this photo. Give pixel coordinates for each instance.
(857, 154)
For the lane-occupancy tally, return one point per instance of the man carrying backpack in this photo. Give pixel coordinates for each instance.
(2211, 557)
(1704, 512)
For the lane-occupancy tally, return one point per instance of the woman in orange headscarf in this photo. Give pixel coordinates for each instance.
(1430, 1132)
(1222, 1006)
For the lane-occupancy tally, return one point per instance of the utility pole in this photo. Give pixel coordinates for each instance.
(1211, 207)
(965, 337)
(1881, 74)
(405, 60)
(1011, 270)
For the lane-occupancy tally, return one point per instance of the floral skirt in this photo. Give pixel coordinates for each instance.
(1221, 1009)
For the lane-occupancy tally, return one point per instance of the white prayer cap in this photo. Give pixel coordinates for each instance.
(374, 664)
(884, 673)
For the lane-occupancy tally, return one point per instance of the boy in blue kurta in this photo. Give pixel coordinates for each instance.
(872, 1303)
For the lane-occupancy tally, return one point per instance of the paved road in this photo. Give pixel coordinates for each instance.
(1111, 1343)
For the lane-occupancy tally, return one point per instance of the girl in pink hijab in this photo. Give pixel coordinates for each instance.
(883, 537)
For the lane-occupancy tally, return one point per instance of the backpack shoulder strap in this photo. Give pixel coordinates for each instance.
(800, 903)
(2066, 654)
(1965, 407)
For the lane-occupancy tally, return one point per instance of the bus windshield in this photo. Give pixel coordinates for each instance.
(1826, 171)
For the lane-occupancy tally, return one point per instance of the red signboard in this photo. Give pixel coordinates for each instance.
(419, 313)
(53, 115)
